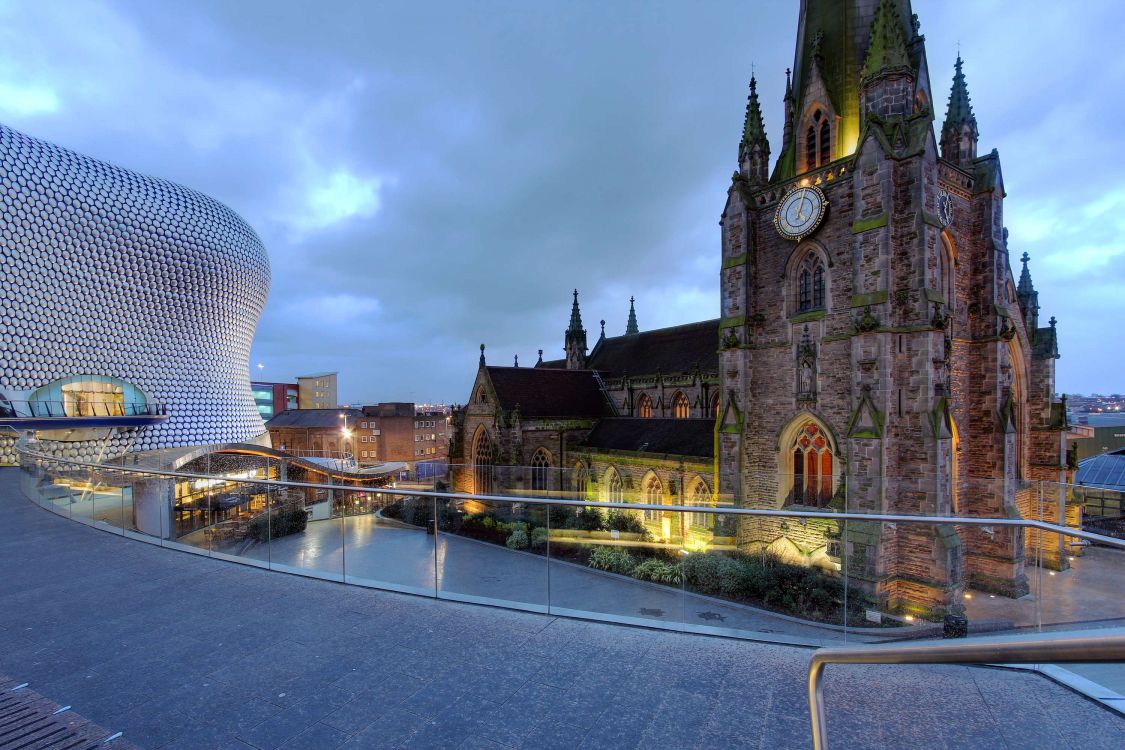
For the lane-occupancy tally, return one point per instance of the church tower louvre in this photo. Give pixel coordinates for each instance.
(574, 339)
(876, 354)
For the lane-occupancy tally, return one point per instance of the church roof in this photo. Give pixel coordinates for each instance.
(665, 350)
(541, 392)
(679, 437)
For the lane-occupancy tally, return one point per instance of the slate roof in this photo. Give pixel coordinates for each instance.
(681, 437)
(665, 350)
(542, 392)
(313, 418)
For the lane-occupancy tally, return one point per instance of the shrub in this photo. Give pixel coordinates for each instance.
(538, 536)
(394, 510)
(658, 571)
(589, 519)
(619, 520)
(277, 524)
(518, 539)
(561, 517)
(613, 560)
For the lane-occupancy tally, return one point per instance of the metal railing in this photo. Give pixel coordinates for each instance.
(39, 409)
(1057, 648)
(1067, 531)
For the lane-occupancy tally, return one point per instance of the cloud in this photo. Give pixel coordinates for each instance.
(338, 197)
(18, 100)
(429, 177)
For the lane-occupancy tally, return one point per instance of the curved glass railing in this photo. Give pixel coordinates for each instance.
(791, 575)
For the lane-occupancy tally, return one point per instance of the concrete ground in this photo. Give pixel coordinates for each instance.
(181, 651)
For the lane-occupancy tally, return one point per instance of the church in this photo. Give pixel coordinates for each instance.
(874, 351)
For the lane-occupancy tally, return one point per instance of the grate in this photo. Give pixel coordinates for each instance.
(28, 721)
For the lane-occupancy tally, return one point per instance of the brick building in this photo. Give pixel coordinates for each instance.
(876, 352)
(400, 431)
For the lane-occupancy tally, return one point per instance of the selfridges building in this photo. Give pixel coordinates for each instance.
(126, 302)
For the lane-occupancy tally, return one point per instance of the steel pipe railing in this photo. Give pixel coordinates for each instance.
(718, 510)
(1051, 648)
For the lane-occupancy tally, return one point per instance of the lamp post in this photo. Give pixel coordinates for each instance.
(346, 433)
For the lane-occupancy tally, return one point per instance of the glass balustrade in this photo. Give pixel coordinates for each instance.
(674, 557)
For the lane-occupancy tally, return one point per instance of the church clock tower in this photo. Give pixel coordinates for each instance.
(874, 354)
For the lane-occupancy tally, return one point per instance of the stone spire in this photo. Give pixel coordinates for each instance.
(754, 149)
(959, 133)
(574, 339)
(1028, 297)
(887, 51)
(631, 326)
(887, 74)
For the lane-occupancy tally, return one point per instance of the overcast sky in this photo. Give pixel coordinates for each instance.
(431, 176)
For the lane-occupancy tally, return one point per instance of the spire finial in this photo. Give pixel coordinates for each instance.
(517, 364)
(482, 355)
(603, 329)
(540, 358)
(960, 122)
(575, 315)
(1025, 258)
(1052, 321)
(631, 326)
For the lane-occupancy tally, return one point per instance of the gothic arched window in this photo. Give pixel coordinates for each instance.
(483, 457)
(818, 140)
(810, 147)
(811, 284)
(581, 480)
(614, 491)
(540, 466)
(654, 495)
(825, 140)
(644, 406)
(700, 496)
(812, 467)
(715, 406)
(680, 407)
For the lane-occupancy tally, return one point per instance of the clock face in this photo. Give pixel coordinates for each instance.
(945, 208)
(800, 212)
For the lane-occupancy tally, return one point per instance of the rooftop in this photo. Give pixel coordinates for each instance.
(185, 651)
(681, 437)
(313, 418)
(677, 349)
(541, 392)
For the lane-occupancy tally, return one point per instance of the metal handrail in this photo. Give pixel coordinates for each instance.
(45, 408)
(1054, 648)
(760, 512)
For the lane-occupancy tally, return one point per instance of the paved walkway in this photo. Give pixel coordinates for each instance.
(181, 651)
(468, 568)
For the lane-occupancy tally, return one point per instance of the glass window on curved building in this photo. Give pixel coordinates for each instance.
(89, 396)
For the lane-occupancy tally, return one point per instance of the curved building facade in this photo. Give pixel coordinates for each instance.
(125, 297)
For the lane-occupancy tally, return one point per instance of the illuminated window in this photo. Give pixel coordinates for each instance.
(654, 495)
(581, 480)
(715, 406)
(680, 407)
(701, 496)
(614, 488)
(818, 140)
(482, 464)
(644, 406)
(812, 467)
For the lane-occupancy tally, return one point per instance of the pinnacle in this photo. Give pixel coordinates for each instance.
(887, 50)
(753, 127)
(631, 326)
(960, 107)
(575, 316)
(1025, 286)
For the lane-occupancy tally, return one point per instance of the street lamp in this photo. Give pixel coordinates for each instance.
(346, 433)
